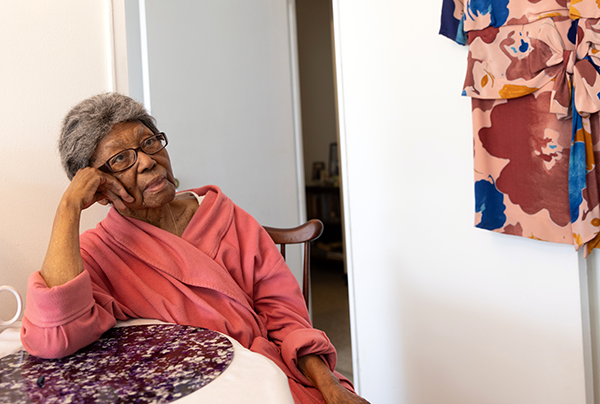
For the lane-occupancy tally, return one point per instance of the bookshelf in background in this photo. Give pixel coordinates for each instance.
(323, 203)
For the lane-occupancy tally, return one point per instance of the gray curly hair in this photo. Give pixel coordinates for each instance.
(90, 120)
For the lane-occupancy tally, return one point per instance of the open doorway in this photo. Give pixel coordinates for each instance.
(329, 283)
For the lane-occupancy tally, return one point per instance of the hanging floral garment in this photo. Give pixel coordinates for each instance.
(533, 75)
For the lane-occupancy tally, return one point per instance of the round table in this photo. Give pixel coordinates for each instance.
(150, 361)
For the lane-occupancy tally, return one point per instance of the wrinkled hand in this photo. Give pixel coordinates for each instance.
(91, 185)
(338, 394)
(325, 381)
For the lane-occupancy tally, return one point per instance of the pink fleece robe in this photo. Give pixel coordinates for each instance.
(224, 273)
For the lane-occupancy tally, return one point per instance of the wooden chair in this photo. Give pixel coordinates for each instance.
(304, 233)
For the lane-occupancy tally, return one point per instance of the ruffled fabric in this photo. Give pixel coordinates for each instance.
(534, 78)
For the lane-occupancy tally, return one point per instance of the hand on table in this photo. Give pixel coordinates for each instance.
(325, 381)
(338, 394)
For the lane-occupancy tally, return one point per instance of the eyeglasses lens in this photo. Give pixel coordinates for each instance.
(153, 144)
(127, 158)
(123, 160)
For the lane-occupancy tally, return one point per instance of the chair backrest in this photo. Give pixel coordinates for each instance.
(305, 233)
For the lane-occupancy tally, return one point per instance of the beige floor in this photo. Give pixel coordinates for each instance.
(330, 309)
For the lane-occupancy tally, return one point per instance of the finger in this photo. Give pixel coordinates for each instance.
(114, 198)
(113, 184)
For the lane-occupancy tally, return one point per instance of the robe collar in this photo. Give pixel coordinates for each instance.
(189, 258)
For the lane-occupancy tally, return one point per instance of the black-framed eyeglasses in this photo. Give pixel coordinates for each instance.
(127, 158)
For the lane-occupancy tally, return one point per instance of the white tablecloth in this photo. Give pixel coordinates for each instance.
(250, 378)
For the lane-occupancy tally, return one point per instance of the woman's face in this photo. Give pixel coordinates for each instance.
(150, 180)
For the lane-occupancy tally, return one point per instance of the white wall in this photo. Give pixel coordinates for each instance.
(443, 312)
(221, 85)
(52, 55)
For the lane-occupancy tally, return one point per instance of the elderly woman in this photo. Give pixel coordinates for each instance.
(191, 258)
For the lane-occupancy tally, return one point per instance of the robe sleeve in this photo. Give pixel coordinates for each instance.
(451, 24)
(280, 304)
(61, 320)
(278, 300)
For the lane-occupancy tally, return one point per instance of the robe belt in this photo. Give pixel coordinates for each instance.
(578, 81)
